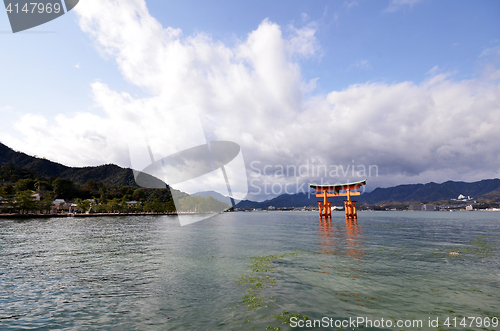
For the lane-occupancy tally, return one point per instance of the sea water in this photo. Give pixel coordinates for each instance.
(252, 271)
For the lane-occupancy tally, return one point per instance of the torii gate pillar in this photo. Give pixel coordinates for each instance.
(325, 207)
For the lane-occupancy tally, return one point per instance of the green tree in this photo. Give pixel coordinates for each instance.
(42, 185)
(152, 206)
(138, 194)
(64, 188)
(136, 207)
(100, 208)
(123, 205)
(10, 204)
(7, 191)
(114, 205)
(82, 205)
(25, 201)
(125, 190)
(102, 194)
(90, 185)
(46, 202)
(24, 184)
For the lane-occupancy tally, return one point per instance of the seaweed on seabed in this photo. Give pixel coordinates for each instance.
(482, 248)
(284, 318)
(252, 299)
(263, 263)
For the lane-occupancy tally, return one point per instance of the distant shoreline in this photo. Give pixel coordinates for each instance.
(24, 216)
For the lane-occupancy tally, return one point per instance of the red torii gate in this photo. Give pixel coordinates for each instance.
(325, 207)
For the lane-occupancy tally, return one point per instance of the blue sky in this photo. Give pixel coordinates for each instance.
(360, 40)
(395, 79)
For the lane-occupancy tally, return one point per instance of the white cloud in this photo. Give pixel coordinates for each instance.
(396, 5)
(351, 3)
(254, 94)
(362, 65)
(303, 41)
(490, 52)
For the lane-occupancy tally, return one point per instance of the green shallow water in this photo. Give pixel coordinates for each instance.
(148, 273)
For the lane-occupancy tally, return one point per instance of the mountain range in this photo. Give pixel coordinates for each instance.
(109, 173)
(431, 192)
(114, 175)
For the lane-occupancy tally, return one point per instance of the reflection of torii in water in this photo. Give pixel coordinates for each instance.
(325, 207)
(330, 241)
